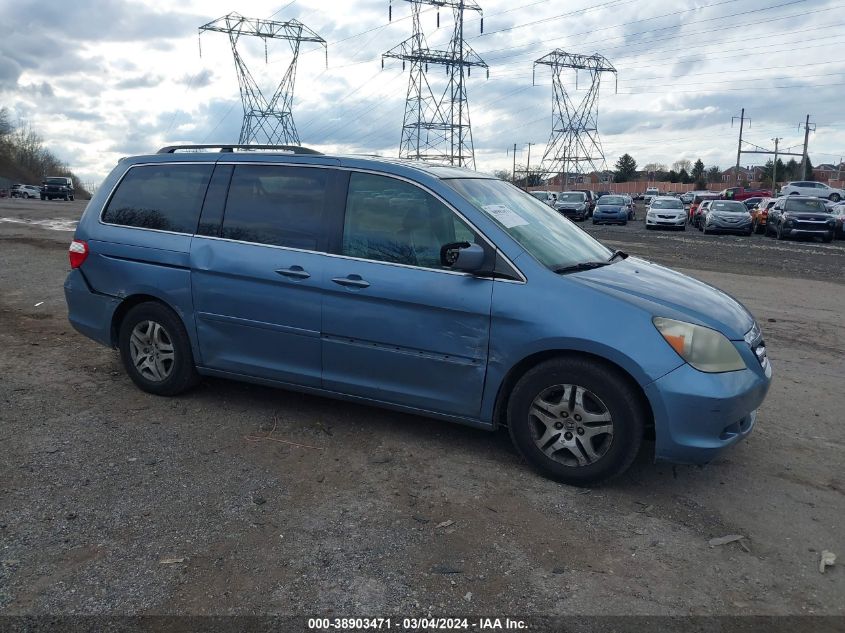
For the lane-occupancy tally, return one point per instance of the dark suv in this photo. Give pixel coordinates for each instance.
(57, 187)
(801, 216)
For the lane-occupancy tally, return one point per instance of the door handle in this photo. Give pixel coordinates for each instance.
(295, 272)
(351, 281)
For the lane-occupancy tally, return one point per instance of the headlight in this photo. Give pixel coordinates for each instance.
(705, 349)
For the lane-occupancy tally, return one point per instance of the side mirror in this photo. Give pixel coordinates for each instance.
(462, 256)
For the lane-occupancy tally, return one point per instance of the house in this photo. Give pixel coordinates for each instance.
(751, 173)
(828, 171)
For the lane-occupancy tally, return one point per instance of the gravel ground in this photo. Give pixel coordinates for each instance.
(113, 501)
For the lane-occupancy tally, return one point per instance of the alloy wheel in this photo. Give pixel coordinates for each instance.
(571, 425)
(151, 349)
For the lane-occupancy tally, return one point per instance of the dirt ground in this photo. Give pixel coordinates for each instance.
(113, 501)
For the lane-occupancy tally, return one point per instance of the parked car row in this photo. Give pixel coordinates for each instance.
(60, 187)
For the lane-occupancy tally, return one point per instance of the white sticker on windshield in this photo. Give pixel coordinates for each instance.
(507, 216)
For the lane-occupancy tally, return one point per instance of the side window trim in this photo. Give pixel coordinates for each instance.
(513, 274)
(123, 176)
(329, 217)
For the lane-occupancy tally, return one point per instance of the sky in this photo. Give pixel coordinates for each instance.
(113, 78)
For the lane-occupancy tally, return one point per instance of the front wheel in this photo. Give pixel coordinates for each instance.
(828, 237)
(779, 232)
(576, 420)
(156, 350)
(835, 197)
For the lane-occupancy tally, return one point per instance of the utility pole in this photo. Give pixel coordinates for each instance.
(739, 145)
(266, 120)
(436, 126)
(528, 167)
(513, 173)
(807, 130)
(775, 169)
(574, 138)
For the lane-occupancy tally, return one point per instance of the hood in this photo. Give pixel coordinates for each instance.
(666, 211)
(611, 208)
(665, 292)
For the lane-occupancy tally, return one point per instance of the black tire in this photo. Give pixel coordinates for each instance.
(684, 227)
(183, 374)
(66, 198)
(648, 227)
(779, 232)
(621, 402)
(71, 198)
(828, 238)
(43, 197)
(594, 222)
(835, 197)
(750, 231)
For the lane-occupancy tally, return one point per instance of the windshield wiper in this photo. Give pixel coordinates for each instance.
(620, 254)
(574, 268)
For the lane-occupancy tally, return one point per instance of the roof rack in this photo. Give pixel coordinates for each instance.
(292, 149)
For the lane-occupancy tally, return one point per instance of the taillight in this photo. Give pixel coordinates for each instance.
(77, 253)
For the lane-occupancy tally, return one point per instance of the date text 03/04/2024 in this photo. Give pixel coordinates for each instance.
(414, 624)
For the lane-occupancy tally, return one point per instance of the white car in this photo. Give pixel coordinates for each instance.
(545, 196)
(666, 211)
(810, 188)
(650, 194)
(25, 191)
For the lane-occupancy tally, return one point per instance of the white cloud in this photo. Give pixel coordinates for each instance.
(126, 76)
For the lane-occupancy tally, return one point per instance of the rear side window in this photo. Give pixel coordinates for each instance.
(278, 205)
(163, 197)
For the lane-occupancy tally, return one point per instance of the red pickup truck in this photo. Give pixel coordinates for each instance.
(740, 193)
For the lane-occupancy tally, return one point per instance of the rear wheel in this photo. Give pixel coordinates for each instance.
(156, 351)
(576, 420)
(835, 197)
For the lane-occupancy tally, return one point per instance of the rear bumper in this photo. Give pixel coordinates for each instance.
(90, 313)
(697, 415)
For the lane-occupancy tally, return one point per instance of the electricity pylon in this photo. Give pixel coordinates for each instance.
(437, 127)
(574, 145)
(266, 121)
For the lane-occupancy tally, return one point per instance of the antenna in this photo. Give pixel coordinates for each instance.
(437, 127)
(574, 141)
(266, 121)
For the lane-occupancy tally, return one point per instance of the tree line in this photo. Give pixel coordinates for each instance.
(22, 147)
(686, 172)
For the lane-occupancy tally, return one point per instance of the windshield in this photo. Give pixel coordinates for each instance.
(813, 206)
(552, 239)
(56, 181)
(540, 195)
(727, 206)
(614, 200)
(571, 197)
(667, 204)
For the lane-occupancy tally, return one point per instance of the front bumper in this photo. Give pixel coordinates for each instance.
(574, 214)
(792, 232)
(696, 414)
(621, 218)
(658, 221)
(721, 225)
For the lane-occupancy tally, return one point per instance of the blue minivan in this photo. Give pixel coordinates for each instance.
(428, 289)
